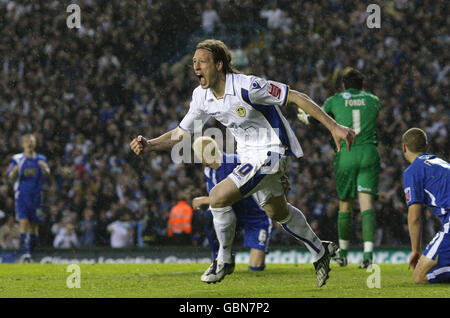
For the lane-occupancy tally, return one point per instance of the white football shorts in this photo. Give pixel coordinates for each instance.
(263, 178)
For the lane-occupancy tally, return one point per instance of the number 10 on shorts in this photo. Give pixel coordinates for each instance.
(245, 169)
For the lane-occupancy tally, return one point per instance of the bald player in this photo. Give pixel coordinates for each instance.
(249, 215)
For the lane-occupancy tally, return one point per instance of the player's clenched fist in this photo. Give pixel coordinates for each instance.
(138, 144)
(199, 201)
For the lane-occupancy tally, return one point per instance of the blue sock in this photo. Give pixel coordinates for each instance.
(24, 243)
(257, 268)
(33, 242)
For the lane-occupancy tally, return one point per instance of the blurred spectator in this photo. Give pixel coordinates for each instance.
(122, 232)
(66, 237)
(179, 225)
(274, 15)
(88, 228)
(10, 234)
(101, 234)
(209, 18)
(46, 235)
(140, 224)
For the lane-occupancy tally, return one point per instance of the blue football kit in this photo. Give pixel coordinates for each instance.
(427, 181)
(28, 187)
(249, 215)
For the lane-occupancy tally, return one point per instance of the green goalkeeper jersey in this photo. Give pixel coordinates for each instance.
(358, 110)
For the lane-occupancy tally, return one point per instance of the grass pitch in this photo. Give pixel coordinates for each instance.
(183, 281)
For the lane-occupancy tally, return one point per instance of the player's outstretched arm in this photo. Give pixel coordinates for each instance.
(12, 173)
(166, 141)
(338, 132)
(199, 201)
(44, 167)
(415, 230)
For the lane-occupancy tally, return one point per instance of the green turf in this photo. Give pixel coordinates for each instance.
(183, 280)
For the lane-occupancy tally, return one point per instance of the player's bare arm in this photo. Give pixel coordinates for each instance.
(166, 141)
(13, 174)
(415, 229)
(338, 132)
(44, 167)
(199, 201)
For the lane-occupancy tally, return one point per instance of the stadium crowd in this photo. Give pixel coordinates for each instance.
(86, 92)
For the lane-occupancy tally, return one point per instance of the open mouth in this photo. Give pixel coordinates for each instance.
(201, 79)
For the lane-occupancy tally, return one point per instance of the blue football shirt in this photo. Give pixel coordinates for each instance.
(427, 181)
(30, 178)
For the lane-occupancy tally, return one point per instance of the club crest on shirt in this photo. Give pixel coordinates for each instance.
(241, 111)
(408, 194)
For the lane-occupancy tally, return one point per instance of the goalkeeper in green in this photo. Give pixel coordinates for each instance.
(356, 172)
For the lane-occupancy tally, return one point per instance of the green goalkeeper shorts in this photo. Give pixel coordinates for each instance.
(356, 170)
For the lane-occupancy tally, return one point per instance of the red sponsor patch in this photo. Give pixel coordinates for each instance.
(408, 194)
(274, 90)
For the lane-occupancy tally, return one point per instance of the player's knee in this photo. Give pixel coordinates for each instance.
(270, 213)
(276, 209)
(346, 205)
(419, 277)
(24, 225)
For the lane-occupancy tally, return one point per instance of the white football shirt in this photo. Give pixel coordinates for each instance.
(250, 109)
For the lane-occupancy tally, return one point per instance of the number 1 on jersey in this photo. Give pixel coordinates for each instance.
(356, 115)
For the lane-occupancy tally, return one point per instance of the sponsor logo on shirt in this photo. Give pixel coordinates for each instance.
(361, 188)
(256, 85)
(274, 90)
(346, 95)
(408, 194)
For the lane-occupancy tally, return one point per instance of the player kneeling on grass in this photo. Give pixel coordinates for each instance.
(427, 181)
(249, 215)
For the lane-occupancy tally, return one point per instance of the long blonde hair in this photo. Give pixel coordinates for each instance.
(220, 52)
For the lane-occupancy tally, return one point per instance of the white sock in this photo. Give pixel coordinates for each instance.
(344, 244)
(224, 220)
(296, 225)
(368, 247)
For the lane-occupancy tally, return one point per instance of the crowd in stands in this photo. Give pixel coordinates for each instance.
(85, 93)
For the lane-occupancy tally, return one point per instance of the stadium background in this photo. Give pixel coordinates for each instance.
(87, 92)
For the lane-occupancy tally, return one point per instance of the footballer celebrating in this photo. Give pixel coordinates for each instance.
(427, 181)
(28, 170)
(249, 107)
